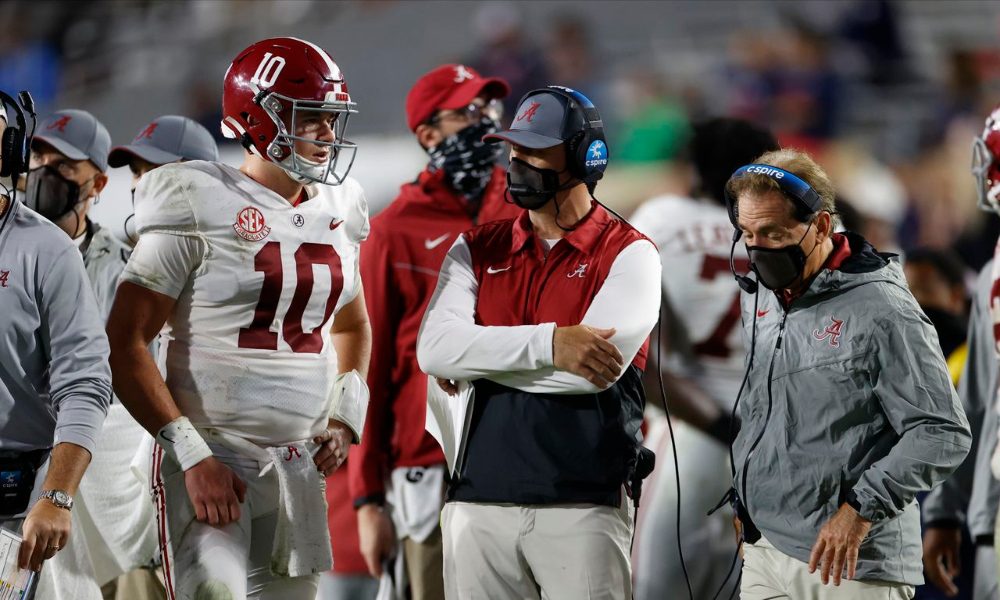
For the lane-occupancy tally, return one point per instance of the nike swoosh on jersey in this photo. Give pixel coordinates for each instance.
(761, 313)
(493, 271)
(432, 244)
(335, 223)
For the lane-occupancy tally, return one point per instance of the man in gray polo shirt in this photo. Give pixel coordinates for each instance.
(55, 383)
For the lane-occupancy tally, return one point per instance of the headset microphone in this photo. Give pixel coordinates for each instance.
(748, 285)
(27, 102)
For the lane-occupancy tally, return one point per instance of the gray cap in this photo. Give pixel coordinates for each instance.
(76, 134)
(543, 119)
(168, 139)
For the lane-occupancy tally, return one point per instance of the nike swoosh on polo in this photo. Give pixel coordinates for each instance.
(493, 271)
(432, 244)
(761, 313)
(335, 223)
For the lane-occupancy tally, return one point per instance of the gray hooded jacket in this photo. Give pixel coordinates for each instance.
(847, 391)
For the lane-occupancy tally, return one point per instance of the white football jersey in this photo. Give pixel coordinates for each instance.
(702, 298)
(247, 349)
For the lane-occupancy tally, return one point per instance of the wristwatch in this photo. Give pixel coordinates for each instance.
(59, 498)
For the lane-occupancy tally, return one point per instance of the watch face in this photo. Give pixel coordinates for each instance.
(61, 498)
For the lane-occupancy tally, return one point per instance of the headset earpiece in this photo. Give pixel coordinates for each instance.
(8, 152)
(14, 143)
(587, 148)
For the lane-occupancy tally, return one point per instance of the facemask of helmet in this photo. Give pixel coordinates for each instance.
(985, 167)
(304, 114)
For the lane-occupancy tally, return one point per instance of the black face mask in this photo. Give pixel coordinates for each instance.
(466, 159)
(778, 268)
(531, 187)
(50, 194)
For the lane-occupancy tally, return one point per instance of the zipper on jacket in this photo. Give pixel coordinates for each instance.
(767, 416)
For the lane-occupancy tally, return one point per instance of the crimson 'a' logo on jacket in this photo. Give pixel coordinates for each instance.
(3, 277)
(832, 332)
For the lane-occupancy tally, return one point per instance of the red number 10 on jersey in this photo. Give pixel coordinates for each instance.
(268, 261)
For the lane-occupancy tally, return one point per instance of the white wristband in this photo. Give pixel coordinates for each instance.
(183, 443)
(349, 402)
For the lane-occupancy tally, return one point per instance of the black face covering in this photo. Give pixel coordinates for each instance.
(778, 268)
(50, 194)
(531, 187)
(466, 159)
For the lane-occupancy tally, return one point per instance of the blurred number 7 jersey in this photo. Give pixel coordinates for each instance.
(247, 348)
(694, 239)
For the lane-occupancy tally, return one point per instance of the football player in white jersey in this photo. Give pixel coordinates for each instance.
(702, 366)
(253, 275)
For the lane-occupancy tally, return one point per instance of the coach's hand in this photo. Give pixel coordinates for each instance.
(586, 351)
(215, 491)
(376, 537)
(941, 552)
(838, 543)
(334, 443)
(45, 532)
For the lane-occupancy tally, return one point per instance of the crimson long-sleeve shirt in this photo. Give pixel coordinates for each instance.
(399, 265)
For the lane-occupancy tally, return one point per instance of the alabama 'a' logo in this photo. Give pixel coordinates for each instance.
(831, 333)
(3, 277)
(250, 225)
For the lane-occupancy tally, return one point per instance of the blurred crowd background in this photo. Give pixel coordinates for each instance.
(887, 94)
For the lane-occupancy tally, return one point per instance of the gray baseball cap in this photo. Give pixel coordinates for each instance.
(543, 119)
(168, 139)
(76, 134)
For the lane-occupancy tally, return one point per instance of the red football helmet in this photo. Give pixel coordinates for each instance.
(986, 163)
(268, 87)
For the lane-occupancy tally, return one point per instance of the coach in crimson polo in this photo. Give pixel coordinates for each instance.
(547, 316)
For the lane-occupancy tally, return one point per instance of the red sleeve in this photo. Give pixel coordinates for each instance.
(369, 464)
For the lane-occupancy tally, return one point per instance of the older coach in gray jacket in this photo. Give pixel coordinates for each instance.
(847, 411)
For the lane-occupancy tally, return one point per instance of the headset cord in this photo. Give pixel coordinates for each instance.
(673, 448)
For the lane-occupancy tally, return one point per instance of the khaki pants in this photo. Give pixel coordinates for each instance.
(425, 567)
(771, 575)
(571, 552)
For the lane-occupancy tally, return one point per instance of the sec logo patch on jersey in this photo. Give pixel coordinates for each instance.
(250, 225)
